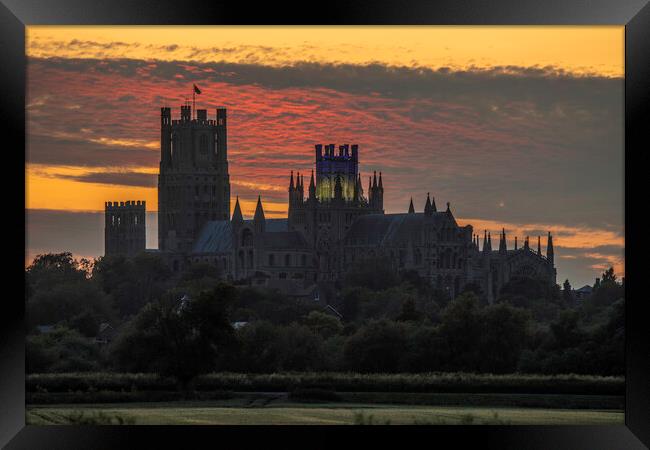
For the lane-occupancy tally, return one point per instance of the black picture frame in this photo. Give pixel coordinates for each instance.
(634, 14)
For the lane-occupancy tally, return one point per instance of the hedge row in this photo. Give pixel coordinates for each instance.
(342, 382)
(49, 398)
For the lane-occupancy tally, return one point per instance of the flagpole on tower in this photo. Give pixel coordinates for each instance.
(193, 101)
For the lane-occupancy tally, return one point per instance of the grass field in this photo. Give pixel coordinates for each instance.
(291, 413)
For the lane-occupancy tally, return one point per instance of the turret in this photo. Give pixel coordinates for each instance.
(165, 136)
(549, 248)
(503, 248)
(411, 208)
(237, 218)
(302, 188)
(292, 191)
(312, 187)
(526, 246)
(355, 152)
(539, 246)
(380, 194)
(485, 241)
(319, 152)
(427, 206)
(515, 242)
(259, 221)
(222, 135)
(186, 113)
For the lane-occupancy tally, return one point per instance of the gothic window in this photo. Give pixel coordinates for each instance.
(250, 259)
(174, 144)
(203, 144)
(246, 238)
(271, 260)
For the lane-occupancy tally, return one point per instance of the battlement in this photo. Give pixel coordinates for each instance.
(345, 152)
(129, 204)
(186, 116)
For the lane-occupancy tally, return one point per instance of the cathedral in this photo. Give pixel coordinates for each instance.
(332, 223)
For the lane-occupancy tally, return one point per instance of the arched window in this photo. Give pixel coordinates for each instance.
(174, 145)
(246, 238)
(203, 144)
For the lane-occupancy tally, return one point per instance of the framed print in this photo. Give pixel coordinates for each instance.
(249, 222)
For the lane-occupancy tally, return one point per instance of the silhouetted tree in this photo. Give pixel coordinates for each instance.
(567, 293)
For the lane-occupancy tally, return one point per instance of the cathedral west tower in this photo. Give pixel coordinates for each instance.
(193, 184)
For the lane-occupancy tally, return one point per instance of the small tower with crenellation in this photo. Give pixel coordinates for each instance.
(124, 228)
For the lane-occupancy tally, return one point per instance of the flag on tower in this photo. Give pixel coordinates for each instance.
(196, 89)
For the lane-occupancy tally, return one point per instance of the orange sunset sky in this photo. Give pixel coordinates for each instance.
(516, 127)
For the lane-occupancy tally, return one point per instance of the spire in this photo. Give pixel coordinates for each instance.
(369, 189)
(411, 208)
(515, 242)
(237, 215)
(381, 186)
(427, 206)
(433, 204)
(485, 241)
(374, 179)
(448, 208)
(549, 248)
(302, 182)
(259, 219)
(539, 245)
(526, 247)
(291, 187)
(312, 186)
(489, 242)
(502, 242)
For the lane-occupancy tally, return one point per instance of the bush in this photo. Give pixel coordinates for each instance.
(62, 350)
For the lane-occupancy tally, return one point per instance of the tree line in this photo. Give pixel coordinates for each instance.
(182, 324)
